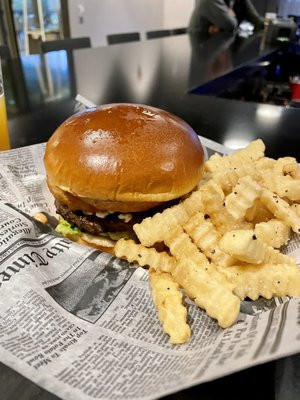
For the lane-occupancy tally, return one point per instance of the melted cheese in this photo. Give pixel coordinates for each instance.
(125, 217)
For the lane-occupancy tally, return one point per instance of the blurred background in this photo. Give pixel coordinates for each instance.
(184, 73)
(26, 23)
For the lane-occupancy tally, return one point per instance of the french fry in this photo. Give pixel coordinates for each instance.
(273, 256)
(244, 246)
(154, 229)
(207, 293)
(213, 189)
(264, 164)
(258, 213)
(214, 205)
(223, 239)
(274, 233)
(283, 186)
(296, 208)
(144, 256)
(193, 203)
(206, 238)
(287, 166)
(182, 248)
(293, 171)
(168, 301)
(265, 280)
(228, 178)
(254, 151)
(281, 209)
(215, 163)
(242, 197)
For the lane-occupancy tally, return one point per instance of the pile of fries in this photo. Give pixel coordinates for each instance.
(222, 241)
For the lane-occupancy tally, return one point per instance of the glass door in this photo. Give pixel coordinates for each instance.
(36, 21)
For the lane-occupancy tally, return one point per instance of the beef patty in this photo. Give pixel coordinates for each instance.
(111, 223)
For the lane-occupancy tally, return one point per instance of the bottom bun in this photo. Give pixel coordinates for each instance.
(97, 246)
(98, 242)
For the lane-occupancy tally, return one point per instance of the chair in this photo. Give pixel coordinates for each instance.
(178, 31)
(65, 44)
(4, 52)
(158, 34)
(123, 37)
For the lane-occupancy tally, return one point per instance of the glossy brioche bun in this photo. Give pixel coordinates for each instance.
(122, 157)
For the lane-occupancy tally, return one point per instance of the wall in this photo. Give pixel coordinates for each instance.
(177, 13)
(290, 7)
(263, 6)
(102, 17)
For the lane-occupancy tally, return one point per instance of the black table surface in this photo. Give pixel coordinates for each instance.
(40, 92)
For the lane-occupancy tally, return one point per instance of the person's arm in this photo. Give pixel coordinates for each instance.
(248, 12)
(221, 16)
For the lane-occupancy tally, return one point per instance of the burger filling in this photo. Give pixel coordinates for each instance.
(92, 223)
(73, 232)
(114, 225)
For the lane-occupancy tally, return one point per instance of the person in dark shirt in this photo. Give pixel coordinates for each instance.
(245, 10)
(223, 15)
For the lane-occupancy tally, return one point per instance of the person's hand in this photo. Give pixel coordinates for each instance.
(231, 12)
(213, 29)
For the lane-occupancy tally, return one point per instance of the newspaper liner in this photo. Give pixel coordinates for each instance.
(81, 323)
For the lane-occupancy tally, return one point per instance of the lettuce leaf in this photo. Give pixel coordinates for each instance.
(69, 230)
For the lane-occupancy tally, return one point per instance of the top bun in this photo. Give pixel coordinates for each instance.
(122, 157)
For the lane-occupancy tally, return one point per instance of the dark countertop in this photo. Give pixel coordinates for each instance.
(40, 92)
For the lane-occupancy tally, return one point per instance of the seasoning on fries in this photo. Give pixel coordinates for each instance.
(222, 241)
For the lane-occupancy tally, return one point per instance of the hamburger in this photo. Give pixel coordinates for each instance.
(110, 167)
